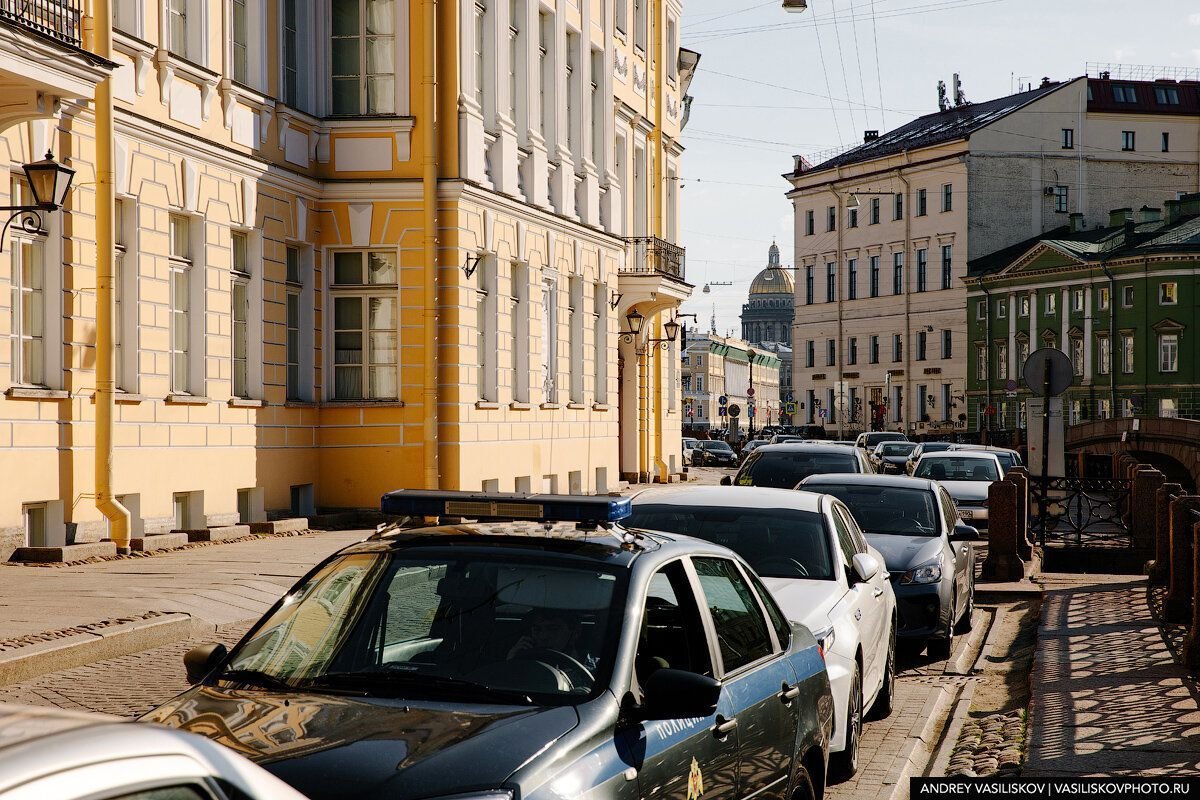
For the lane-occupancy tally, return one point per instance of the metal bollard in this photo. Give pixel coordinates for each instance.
(1162, 531)
(1180, 572)
(1002, 563)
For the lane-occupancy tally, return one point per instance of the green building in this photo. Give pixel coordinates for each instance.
(1120, 301)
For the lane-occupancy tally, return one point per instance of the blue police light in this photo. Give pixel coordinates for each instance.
(494, 505)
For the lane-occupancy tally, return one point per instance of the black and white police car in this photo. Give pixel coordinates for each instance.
(541, 652)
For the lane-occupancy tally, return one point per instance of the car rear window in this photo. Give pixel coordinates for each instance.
(776, 542)
(783, 470)
(886, 509)
(949, 468)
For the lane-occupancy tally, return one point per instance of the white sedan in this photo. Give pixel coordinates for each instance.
(47, 754)
(967, 476)
(815, 560)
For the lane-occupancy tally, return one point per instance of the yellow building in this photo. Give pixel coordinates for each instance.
(344, 261)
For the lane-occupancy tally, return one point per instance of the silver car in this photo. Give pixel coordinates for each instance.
(966, 474)
(47, 754)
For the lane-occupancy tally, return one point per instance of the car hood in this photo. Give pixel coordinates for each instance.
(895, 459)
(974, 491)
(902, 553)
(804, 601)
(335, 747)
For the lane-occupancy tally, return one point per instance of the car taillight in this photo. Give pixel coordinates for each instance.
(821, 650)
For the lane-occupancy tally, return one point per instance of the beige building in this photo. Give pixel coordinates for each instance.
(884, 232)
(344, 262)
(747, 377)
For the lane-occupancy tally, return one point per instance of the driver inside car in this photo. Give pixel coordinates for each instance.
(549, 630)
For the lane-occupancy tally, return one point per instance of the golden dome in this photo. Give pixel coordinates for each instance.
(773, 280)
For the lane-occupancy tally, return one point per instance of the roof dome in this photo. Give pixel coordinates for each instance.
(773, 280)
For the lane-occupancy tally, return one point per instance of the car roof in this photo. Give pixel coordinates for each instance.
(983, 448)
(969, 454)
(735, 496)
(866, 479)
(807, 446)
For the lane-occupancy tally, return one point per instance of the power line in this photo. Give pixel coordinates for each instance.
(837, 31)
(878, 71)
(828, 89)
(729, 14)
(862, 89)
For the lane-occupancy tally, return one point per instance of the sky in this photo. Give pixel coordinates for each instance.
(771, 84)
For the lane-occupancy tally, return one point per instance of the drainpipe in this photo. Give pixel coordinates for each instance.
(909, 210)
(837, 289)
(660, 393)
(1112, 339)
(429, 185)
(987, 355)
(116, 514)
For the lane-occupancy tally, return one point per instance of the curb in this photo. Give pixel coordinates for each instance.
(918, 750)
(80, 649)
(958, 717)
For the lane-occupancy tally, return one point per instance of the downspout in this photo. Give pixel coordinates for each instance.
(116, 514)
(660, 390)
(987, 357)
(909, 210)
(837, 290)
(1112, 338)
(430, 405)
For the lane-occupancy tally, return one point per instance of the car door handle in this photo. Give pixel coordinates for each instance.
(878, 592)
(789, 693)
(724, 726)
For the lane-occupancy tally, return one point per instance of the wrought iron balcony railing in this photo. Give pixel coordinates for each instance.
(61, 20)
(649, 255)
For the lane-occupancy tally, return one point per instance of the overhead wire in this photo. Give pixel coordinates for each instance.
(828, 89)
(878, 70)
(862, 88)
(837, 31)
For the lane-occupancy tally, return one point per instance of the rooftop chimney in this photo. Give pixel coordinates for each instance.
(1173, 211)
(1105, 75)
(1189, 205)
(799, 165)
(1045, 81)
(870, 136)
(1118, 216)
(1076, 222)
(1148, 214)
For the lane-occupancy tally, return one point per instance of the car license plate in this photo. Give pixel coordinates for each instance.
(965, 514)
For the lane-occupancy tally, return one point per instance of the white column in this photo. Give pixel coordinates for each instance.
(497, 103)
(562, 179)
(537, 192)
(470, 117)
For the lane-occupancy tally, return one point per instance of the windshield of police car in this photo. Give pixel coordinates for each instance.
(527, 629)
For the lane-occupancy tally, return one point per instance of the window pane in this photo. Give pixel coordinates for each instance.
(381, 55)
(383, 382)
(383, 314)
(347, 383)
(347, 348)
(293, 265)
(345, 57)
(741, 628)
(381, 268)
(345, 96)
(180, 244)
(347, 314)
(345, 17)
(381, 95)
(347, 268)
(380, 17)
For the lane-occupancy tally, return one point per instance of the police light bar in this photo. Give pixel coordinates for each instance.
(495, 505)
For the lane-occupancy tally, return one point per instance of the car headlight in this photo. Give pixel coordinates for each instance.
(926, 573)
(825, 638)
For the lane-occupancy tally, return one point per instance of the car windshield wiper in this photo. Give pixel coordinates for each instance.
(384, 679)
(256, 677)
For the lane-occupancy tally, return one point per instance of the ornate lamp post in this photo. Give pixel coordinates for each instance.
(49, 183)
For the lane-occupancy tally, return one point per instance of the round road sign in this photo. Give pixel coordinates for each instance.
(735, 410)
(750, 392)
(723, 400)
(1048, 372)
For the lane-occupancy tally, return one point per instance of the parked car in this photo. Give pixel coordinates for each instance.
(815, 560)
(869, 440)
(689, 444)
(560, 654)
(714, 453)
(784, 438)
(923, 448)
(48, 754)
(890, 457)
(749, 448)
(928, 551)
(966, 474)
(782, 466)
(1008, 458)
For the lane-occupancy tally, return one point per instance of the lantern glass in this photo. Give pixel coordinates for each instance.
(635, 321)
(49, 182)
(672, 329)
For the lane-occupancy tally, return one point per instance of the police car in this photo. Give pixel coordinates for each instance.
(542, 652)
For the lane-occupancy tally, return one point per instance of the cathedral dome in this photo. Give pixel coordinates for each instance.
(773, 280)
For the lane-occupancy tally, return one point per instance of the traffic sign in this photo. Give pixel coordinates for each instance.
(691, 411)
(735, 410)
(990, 411)
(1048, 372)
(750, 392)
(790, 407)
(751, 412)
(1010, 385)
(723, 400)
(790, 397)
(823, 413)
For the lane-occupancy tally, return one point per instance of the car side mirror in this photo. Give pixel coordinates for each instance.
(866, 566)
(203, 659)
(677, 694)
(727, 481)
(965, 533)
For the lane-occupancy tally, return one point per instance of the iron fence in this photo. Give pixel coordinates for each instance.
(1081, 512)
(61, 20)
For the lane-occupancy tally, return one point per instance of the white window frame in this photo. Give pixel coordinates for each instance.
(1168, 352)
(1103, 354)
(1128, 296)
(250, 279)
(1051, 304)
(125, 295)
(187, 364)
(396, 100)
(600, 343)
(550, 339)
(128, 16)
(1128, 353)
(1168, 407)
(194, 16)
(1077, 296)
(299, 337)
(1168, 293)
(575, 333)
(365, 291)
(487, 383)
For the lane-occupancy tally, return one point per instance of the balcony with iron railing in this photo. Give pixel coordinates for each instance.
(649, 255)
(60, 20)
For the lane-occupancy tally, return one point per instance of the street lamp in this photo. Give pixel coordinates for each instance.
(49, 183)
(750, 392)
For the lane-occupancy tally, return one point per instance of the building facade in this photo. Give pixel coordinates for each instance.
(767, 319)
(885, 230)
(716, 367)
(1120, 301)
(345, 261)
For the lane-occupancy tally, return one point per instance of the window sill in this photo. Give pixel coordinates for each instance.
(131, 399)
(521, 406)
(550, 406)
(245, 402)
(187, 400)
(486, 405)
(599, 406)
(346, 403)
(35, 393)
(576, 406)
